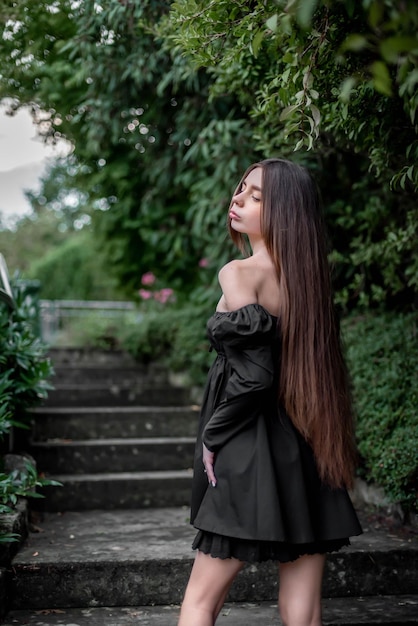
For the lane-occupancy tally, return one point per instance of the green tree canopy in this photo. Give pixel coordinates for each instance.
(96, 75)
(167, 102)
(340, 80)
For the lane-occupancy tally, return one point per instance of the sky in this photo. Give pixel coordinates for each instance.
(23, 158)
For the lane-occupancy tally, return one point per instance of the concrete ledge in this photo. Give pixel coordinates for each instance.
(143, 557)
(3, 592)
(16, 522)
(363, 611)
(373, 495)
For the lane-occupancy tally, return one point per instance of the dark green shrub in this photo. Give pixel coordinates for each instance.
(24, 372)
(24, 366)
(5, 398)
(382, 352)
(20, 483)
(151, 337)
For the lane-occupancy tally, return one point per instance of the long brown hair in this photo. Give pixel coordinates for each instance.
(313, 385)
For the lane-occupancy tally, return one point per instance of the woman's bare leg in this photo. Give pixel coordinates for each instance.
(300, 591)
(207, 589)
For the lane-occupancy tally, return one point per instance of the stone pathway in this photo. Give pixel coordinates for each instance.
(113, 548)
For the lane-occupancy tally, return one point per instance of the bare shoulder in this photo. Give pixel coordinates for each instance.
(239, 285)
(249, 281)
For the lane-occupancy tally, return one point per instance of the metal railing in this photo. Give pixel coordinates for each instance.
(56, 314)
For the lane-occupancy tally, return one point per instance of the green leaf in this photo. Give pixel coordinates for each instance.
(298, 145)
(272, 23)
(305, 11)
(33, 494)
(355, 43)
(257, 41)
(381, 78)
(9, 537)
(288, 57)
(287, 111)
(347, 88)
(392, 47)
(410, 172)
(316, 114)
(376, 12)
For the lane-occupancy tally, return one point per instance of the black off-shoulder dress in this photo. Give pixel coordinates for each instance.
(269, 502)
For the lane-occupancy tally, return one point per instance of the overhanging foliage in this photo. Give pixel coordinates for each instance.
(167, 102)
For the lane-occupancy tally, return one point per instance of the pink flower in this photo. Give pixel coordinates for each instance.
(203, 262)
(148, 278)
(164, 295)
(145, 294)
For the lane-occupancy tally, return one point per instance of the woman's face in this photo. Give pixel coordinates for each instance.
(245, 209)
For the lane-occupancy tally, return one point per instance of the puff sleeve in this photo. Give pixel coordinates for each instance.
(247, 337)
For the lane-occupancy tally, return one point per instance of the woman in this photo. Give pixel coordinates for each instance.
(275, 450)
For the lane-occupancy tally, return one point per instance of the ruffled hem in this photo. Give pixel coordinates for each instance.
(219, 546)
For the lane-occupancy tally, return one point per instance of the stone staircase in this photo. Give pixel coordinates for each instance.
(115, 434)
(113, 544)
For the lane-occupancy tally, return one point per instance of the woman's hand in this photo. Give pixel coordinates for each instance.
(208, 461)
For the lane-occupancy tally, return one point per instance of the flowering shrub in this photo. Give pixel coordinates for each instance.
(148, 278)
(163, 295)
(174, 337)
(145, 294)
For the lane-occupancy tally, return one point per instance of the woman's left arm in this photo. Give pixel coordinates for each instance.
(252, 375)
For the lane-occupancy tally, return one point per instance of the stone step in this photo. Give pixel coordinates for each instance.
(107, 375)
(93, 456)
(114, 422)
(74, 367)
(90, 357)
(95, 394)
(143, 557)
(118, 490)
(363, 611)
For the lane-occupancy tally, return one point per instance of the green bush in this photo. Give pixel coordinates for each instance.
(20, 483)
(24, 366)
(382, 352)
(24, 372)
(176, 337)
